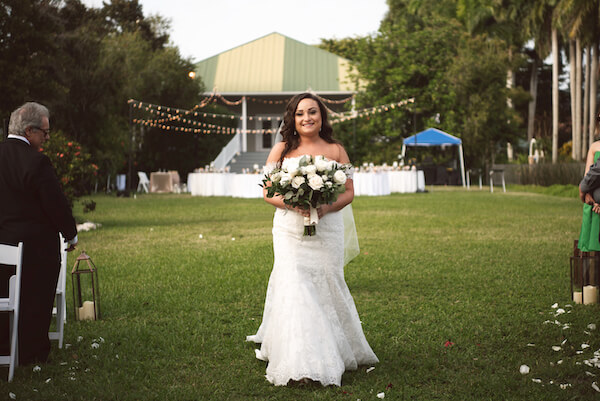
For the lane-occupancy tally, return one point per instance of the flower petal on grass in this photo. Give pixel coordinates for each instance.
(559, 311)
(595, 387)
(531, 345)
(556, 348)
(95, 345)
(48, 380)
(555, 305)
(381, 395)
(589, 373)
(564, 386)
(524, 369)
(79, 339)
(37, 368)
(591, 326)
(448, 343)
(12, 396)
(563, 342)
(372, 368)
(536, 380)
(584, 346)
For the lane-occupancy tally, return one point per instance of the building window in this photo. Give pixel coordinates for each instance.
(266, 137)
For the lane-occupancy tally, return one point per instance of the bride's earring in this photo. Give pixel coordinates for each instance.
(295, 133)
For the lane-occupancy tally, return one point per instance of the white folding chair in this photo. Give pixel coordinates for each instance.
(144, 182)
(60, 310)
(12, 256)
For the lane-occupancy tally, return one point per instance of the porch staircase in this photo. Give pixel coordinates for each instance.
(247, 160)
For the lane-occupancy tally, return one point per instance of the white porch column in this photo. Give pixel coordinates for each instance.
(244, 144)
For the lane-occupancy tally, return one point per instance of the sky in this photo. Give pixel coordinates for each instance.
(205, 28)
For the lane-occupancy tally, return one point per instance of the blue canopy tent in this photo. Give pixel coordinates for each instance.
(435, 137)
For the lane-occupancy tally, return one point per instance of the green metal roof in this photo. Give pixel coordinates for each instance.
(275, 64)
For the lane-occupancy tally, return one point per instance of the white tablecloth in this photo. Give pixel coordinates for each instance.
(371, 184)
(406, 181)
(247, 185)
(225, 184)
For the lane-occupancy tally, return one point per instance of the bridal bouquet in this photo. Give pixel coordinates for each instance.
(306, 182)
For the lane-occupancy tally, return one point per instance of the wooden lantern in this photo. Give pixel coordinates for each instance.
(585, 276)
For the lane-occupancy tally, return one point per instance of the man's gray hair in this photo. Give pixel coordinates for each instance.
(30, 114)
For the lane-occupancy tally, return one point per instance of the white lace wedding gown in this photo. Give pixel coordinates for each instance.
(310, 326)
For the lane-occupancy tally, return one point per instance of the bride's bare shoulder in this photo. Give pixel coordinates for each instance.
(335, 151)
(276, 151)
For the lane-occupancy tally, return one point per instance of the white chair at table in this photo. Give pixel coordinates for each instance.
(144, 182)
(60, 310)
(12, 256)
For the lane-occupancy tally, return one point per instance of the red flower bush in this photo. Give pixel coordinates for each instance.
(72, 164)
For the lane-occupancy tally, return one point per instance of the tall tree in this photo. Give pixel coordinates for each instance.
(27, 52)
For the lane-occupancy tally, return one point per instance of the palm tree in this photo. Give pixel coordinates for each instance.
(579, 19)
(497, 18)
(540, 24)
(538, 27)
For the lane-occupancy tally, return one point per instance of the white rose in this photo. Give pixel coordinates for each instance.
(321, 164)
(339, 177)
(291, 166)
(310, 169)
(329, 184)
(315, 182)
(297, 181)
(325, 178)
(285, 179)
(276, 177)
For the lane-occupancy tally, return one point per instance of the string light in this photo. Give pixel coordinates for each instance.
(173, 115)
(350, 115)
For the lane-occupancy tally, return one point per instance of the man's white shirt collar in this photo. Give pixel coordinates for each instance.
(19, 137)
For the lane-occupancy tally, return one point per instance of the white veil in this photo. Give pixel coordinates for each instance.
(351, 249)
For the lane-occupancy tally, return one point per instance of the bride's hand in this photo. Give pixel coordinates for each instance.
(299, 210)
(323, 210)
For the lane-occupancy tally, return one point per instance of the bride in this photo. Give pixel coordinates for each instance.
(310, 328)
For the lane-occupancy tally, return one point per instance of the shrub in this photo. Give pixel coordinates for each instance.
(73, 165)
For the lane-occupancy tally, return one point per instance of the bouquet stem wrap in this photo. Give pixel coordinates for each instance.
(311, 221)
(306, 182)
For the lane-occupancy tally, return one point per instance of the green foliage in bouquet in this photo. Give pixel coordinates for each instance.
(306, 181)
(73, 165)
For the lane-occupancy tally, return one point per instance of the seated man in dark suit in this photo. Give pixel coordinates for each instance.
(33, 209)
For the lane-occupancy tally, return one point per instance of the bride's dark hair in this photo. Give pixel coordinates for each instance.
(288, 131)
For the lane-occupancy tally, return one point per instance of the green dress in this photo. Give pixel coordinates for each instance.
(590, 226)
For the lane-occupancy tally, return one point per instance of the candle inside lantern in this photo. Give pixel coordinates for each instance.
(590, 294)
(577, 297)
(86, 312)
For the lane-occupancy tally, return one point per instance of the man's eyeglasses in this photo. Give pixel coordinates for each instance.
(45, 131)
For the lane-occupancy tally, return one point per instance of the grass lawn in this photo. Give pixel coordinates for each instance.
(454, 288)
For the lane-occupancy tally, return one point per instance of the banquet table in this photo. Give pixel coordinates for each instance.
(225, 184)
(406, 181)
(163, 181)
(248, 185)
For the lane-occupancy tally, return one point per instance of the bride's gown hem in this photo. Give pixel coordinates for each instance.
(310, 327)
